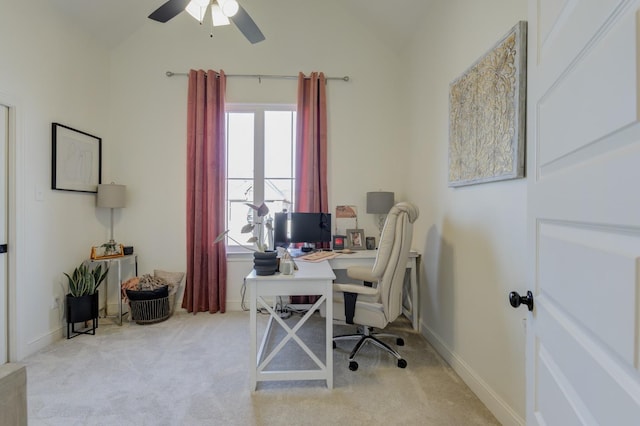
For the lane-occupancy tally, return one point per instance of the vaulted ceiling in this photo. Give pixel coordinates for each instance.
(113, 21)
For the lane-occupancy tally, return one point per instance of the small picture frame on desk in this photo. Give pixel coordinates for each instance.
(355, 239)
(338, 242)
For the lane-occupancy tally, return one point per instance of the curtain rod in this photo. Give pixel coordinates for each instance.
(260, 76)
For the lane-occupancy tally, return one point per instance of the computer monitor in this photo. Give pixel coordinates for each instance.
(309, 228)
(281, 230)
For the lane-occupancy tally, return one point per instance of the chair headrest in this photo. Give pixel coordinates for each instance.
(411, 210)
(391, 240)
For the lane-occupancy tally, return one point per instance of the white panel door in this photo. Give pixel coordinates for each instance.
(4, 308)
(583, 339)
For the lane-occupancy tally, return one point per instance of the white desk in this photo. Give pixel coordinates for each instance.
(367, 257)
(310, 279)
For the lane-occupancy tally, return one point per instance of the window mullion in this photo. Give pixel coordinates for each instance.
(293, 159)
(258, 158)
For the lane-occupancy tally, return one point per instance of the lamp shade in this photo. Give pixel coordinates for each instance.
(111, 196)
(379, 202)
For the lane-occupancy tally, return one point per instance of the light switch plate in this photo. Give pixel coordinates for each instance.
(39, 193)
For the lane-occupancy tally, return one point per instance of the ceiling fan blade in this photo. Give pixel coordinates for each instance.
(247, 26)
(169, 10)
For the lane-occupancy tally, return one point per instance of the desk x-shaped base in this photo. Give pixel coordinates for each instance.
(291, 334)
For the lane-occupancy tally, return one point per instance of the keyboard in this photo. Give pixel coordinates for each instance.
(318, 256)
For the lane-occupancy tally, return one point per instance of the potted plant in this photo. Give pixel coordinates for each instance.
(82, 299)
(259, 223)
(265, 262)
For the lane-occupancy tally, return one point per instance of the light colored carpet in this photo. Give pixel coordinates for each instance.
(194, 370)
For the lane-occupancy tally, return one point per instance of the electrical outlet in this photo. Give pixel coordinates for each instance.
(55, 303)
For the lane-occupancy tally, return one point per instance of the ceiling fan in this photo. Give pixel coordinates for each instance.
(221, 12)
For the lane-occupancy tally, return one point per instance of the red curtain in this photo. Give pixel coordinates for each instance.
(311, 145)
(311, 151)
(206, 282)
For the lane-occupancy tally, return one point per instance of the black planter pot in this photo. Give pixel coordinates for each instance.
(265, 263)
(82, 309)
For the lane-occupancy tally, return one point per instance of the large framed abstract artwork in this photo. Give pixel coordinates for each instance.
(487, 114)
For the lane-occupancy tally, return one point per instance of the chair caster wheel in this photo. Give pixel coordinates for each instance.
(334, 345)
(353, 366)
(402, 363)
(400, 341)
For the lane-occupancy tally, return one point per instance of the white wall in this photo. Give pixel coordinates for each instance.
(148, 113)
(472, 238)
(49, 73)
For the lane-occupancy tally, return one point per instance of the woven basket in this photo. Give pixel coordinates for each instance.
(172, 303)
(150, 311)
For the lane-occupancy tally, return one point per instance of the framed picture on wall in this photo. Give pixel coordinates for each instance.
(487, 114)
(76, 159)
(355, 239)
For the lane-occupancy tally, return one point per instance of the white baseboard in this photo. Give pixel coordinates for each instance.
(43, 341)
(498, 407)
(234, 305)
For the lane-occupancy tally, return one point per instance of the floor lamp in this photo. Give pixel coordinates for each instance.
(111, 196)
(380, 203)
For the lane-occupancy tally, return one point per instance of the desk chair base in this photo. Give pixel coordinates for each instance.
(367, 336)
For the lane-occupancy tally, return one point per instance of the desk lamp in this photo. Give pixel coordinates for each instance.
(111, 196)
(380, 203)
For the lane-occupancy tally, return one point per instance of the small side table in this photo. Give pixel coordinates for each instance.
(110, 262)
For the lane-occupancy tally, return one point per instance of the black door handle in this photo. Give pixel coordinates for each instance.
(516, 300)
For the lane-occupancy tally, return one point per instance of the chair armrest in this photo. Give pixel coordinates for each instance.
(361, 273)
(355, 288)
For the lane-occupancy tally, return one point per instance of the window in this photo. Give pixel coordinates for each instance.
(260, 162)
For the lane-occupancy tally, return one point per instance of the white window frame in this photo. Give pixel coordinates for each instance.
(258, 152)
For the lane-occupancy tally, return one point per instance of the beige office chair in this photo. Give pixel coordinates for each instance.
(380, 304)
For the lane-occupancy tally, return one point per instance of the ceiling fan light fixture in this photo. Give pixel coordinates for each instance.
(218, 17)
(196, 10)
(229, 7)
